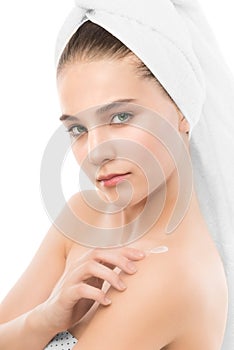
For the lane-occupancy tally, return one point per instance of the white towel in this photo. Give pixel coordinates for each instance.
(175, 41)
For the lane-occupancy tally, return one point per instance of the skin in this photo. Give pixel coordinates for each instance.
(180, 313)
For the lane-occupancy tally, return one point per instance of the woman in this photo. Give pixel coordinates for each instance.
(175, 300)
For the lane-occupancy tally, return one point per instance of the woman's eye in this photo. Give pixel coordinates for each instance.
(76, 130)
(121, 118)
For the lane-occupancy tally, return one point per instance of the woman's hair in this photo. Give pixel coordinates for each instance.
(92, 42)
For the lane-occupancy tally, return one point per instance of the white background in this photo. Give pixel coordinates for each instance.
(29, 116)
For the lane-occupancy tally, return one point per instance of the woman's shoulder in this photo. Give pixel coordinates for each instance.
(85, 204)
(189, 282)
(155, 307)
(79, 204)
(168, 275)
(192, 290)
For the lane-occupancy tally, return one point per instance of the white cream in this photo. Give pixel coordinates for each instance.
(156, 250)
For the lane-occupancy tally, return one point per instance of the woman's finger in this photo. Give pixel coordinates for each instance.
(118, 258)
(92, 268)
(83, 290)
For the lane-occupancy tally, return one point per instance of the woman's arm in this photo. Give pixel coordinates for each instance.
(45, 269)
(29, 331)
(67, 302)
(22, 323)
(37, 282)
(50, 298)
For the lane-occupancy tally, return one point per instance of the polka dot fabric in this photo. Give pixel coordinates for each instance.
(62, 341)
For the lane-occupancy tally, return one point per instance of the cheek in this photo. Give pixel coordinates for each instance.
(151, 144)
(79, 150)
(148, 142)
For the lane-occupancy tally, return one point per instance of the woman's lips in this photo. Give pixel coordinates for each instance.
(113, 179)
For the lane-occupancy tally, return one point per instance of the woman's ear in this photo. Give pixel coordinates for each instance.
(183, 123)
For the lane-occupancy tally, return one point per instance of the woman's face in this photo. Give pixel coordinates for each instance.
(85, 86)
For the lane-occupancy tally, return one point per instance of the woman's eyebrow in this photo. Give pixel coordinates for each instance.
(101, 110)
(68, 117)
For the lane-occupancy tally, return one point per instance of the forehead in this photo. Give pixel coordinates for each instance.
(84, 84)
(99, 71)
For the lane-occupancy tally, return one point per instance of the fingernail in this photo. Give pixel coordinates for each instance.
(107, 301)
(131, 266)
(122, 285)
(140, 254)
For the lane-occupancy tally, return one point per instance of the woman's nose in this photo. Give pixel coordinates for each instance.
(100, 147)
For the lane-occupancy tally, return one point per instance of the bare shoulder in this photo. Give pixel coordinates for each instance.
(82, 198)
(83, 210)
(173, 301)
(85, 204)
(150, 313)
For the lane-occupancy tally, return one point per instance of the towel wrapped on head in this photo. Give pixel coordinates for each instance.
(160, 46)
(175, 41)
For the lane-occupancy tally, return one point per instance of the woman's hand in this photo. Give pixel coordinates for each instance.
(80, 285)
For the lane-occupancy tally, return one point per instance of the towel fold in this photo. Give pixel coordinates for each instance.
(175, 41)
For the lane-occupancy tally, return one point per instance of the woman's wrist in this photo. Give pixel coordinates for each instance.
(30, 331)
(37, 323)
